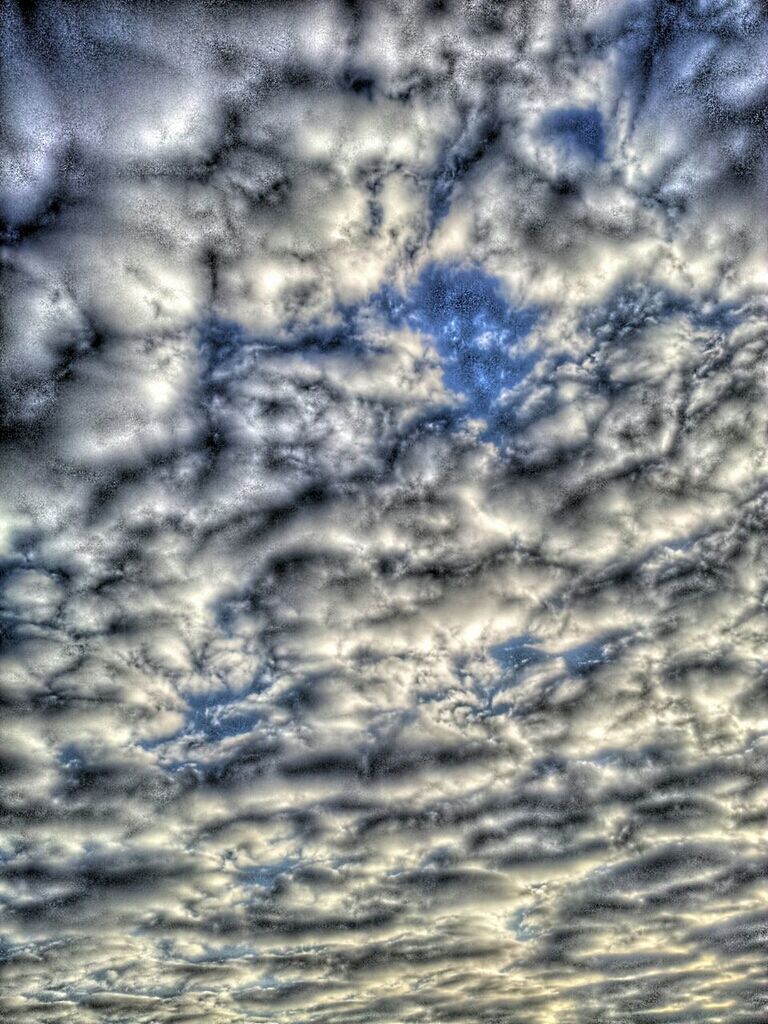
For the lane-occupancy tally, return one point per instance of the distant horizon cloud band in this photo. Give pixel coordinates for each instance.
(383, 507)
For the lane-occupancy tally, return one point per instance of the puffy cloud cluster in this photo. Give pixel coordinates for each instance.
(383, 513)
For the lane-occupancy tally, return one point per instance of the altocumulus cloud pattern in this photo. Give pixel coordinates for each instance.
(383, 506)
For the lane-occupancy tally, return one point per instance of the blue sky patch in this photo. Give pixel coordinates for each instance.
(218, 718)
(578, 131)
(212, 716)
(519, 926)
(463, 309)
(582, 657)
(475, 330)
(514, 654)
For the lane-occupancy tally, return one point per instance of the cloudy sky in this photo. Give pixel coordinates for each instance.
(383, 507)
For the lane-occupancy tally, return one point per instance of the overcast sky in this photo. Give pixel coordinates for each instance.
(383, 508)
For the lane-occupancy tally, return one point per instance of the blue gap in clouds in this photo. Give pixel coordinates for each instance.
(211, 716)
(519, 926)
(512, 656)
(576, 130)
(216, 718)
(266, 875)
(475, 331)
(515, 653)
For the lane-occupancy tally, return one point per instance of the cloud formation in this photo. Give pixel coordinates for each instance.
(383, 513)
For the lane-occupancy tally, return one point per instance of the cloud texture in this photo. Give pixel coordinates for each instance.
(383, 513)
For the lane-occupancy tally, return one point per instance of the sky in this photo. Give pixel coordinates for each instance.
(383, 507)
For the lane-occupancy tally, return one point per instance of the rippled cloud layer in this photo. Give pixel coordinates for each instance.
(383, 513)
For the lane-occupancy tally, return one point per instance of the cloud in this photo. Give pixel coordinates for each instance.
(383, 513)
